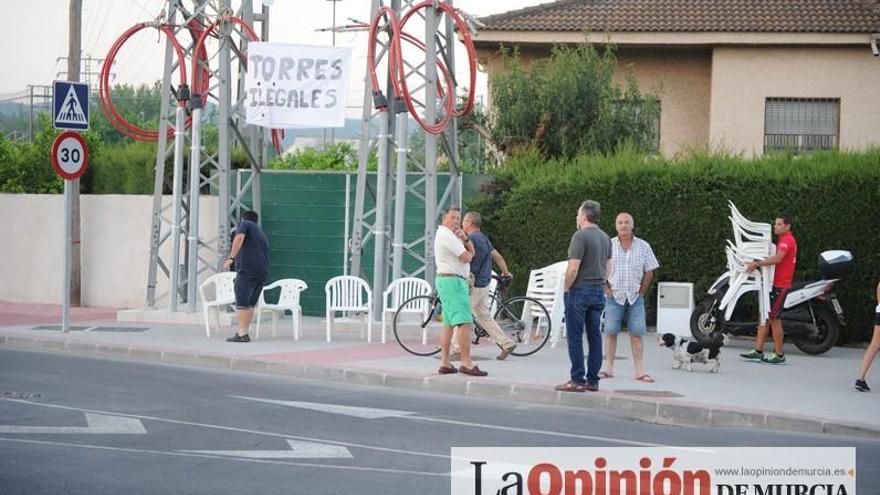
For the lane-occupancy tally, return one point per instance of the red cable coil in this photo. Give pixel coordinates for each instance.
(200, 34)
(397, 68)
(106, 100)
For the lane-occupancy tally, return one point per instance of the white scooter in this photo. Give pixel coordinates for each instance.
(811, 313)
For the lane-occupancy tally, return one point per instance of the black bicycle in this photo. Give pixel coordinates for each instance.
(418, 322)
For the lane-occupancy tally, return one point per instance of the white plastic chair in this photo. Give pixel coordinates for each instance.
(740, 281)
(752, 240)
(764, 229)
(224, 295)
(288, 299)
(348, 293)
(398, 292)
(547, 285)
(493, 285)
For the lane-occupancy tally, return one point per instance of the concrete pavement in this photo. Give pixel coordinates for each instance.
(811, 394)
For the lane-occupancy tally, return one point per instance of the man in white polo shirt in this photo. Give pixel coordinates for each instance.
(453, 252)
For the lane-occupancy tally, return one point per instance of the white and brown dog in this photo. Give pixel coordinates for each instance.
(686, 352)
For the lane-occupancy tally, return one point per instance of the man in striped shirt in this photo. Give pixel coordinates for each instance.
(634, 264)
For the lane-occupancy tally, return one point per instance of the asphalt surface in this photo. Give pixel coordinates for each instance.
(200, 427)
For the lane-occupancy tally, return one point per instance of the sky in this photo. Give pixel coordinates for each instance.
(36, 37)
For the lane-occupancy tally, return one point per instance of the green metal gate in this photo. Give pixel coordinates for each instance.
(304, 215)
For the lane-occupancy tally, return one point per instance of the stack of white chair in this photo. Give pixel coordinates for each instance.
(752, 241)
(547, 285)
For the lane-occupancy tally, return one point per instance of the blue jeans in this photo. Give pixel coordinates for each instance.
(583, 311)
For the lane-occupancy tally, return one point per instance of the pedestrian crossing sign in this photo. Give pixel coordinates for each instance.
(70, 105)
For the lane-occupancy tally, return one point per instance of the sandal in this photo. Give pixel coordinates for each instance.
(447, 370)
(604, 375)
(645, 378)
(570, 386)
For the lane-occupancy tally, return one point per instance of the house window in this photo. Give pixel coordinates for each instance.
(801, 124)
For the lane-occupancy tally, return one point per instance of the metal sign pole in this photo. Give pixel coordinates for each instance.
(68, 254)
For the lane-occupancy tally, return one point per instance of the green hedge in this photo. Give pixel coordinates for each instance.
(680, 207)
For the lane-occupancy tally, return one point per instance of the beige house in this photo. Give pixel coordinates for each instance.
(743, 75)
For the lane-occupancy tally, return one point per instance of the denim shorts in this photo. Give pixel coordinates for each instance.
(634, 314)
(247, 289)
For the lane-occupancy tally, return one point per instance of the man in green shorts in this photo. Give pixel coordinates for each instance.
(452, 256)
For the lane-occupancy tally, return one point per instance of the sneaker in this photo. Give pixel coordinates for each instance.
(239, 338)
(862, 386)
(505, 353)
(753, 355)
(774, 359)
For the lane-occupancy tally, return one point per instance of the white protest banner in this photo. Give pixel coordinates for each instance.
(296, 85)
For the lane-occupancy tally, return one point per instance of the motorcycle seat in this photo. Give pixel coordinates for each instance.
(798, 285)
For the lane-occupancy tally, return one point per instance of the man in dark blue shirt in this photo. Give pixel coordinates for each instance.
(250, 253)
(481, 275)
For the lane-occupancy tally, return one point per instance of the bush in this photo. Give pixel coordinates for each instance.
(338, 156)
(680, 207)
(27, 167)
(126, 168)
(568, 104)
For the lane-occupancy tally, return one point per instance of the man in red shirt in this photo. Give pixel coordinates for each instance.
(784, 260)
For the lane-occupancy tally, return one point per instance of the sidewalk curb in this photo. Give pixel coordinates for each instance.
(671, 412)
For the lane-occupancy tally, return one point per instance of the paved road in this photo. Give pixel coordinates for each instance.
(81, 425)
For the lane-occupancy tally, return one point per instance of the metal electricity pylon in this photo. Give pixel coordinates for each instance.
(175, 222)
(383, 225)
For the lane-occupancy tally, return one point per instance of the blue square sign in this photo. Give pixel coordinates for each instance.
(70, 109)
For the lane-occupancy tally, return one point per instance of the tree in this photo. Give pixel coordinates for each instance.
(568, 103)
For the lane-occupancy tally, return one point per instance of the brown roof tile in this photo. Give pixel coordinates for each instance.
(812, 16)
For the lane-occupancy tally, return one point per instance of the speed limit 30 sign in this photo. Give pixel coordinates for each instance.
(70, 156)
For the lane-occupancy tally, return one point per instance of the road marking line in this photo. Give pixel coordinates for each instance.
(100, 424)
(298, 450)
(354, 411)
(230, 428)
(342, 409)
(238, 459)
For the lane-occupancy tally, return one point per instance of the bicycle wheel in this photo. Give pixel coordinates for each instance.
(526, 321)
(417, 326)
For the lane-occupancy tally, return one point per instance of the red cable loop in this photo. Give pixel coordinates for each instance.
(393, 45)
(106, 100)
(397, 70)
(201, 78)
(199, 47)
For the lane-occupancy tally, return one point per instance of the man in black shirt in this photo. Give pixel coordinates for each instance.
(250, 253)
